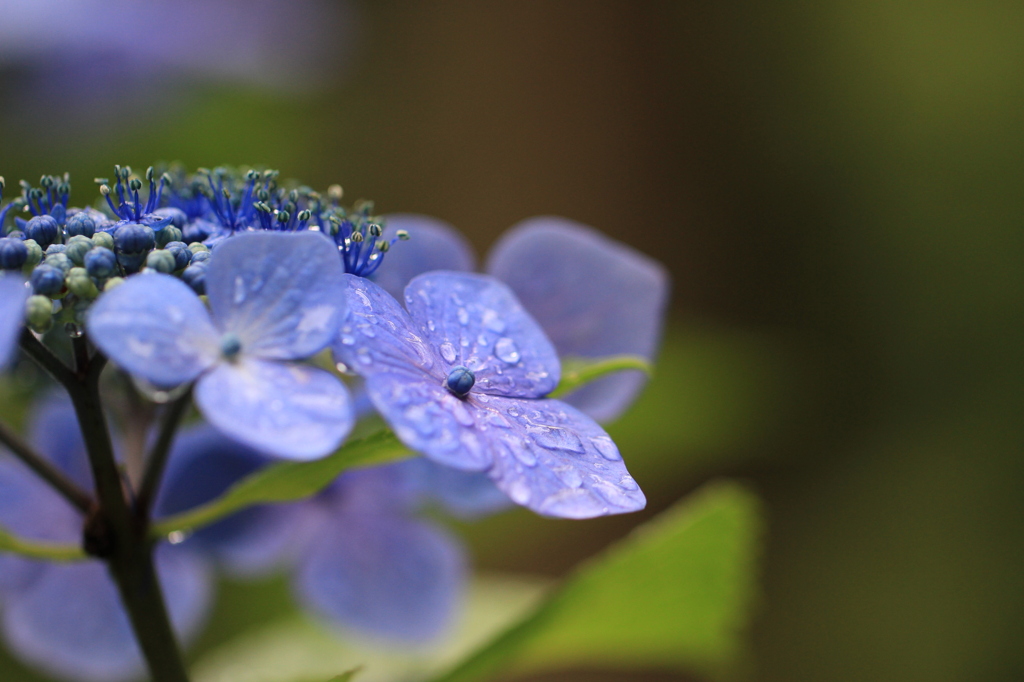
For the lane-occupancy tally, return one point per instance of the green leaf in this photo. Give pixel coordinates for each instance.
(47, 551)
(346, 676)
(675, 594)
(579, 371)
(287, 482)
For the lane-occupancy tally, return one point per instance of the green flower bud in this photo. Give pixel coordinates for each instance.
(78, 246)
(39, 313)
(161, 261)
(103, 239)
(113, 282)
(167, 235)
(35, 253)
(80, 284)
(59, 261)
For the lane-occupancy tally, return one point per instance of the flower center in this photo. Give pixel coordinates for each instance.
(460, 381)
(230, 345)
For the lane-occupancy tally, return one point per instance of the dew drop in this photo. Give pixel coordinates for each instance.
(448, 351)
(463, 316)
(492, 322)
(520, 492)
(606, 448)
(506, 350)
(557, 439)
(523, 454)
(239, 290)
(627, 483)
(348, 339)
(613, 494)
(568, 475)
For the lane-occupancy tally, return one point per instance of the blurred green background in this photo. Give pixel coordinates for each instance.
(838, 190)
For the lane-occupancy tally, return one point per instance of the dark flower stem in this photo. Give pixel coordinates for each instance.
(156, 461)
(112, 532)
(48, 472)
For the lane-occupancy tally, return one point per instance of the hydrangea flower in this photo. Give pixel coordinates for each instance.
(273, 299)
(592, 295)
(67, 619)
(461, 377)
(358, 555)
(12, 311)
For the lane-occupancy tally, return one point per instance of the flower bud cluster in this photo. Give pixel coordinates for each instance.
(164, 221)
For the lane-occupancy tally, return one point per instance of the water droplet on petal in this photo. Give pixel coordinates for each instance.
(239, 291)
(463, 316)
(520, 492)
(613, 494)
(523, 454)
(557, 439)
(348, 339)
(492, 322)
(506, 350)
(606, 448)
(568, 475)
(448, 351)
(627, 483)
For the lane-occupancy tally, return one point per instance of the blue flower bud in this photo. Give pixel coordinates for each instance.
(43, 229)
(101, 263)
(77, 247)
(47, 280)
(198, 231)
(13, 253)
(59, 213)
(55, 248)
(182, 256)
(131, 262)
(133, 238)
(200, 257)
(167, 235)
(460, 381)
(161, 261)
(195, 277)
(81, 224)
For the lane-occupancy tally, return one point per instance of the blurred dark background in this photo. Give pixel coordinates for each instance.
(837, 188)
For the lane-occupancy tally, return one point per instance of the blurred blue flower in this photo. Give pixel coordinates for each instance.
(274, 298)
(592, 295)
(461, 377)
(115, 58)
(12, 313)
(67, 619)
(358, 554)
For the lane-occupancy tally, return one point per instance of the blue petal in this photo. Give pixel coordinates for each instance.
(429, 419)
(555, 460)
(55, 433)
(281, 409)
(475, 321)
(155, 327)
(13, 295)
(383, 575)
(71, 624)
(466, 494)
(593, 296)
(433, 245)
(279, 292)
(203, 464)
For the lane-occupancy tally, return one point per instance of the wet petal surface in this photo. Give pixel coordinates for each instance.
(284, 410)
(155, 327)
(279, 292)
(476, 322)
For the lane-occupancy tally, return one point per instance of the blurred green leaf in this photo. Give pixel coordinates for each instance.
(346, 676)
(296, 648)
(674, 594)
(288, 481)
(39, 550)
(579, 371)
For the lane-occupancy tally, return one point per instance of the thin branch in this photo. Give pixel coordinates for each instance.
(156, 461)
(47, 471)
(45, 358)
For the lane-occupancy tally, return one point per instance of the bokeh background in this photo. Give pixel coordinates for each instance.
(837, 189)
